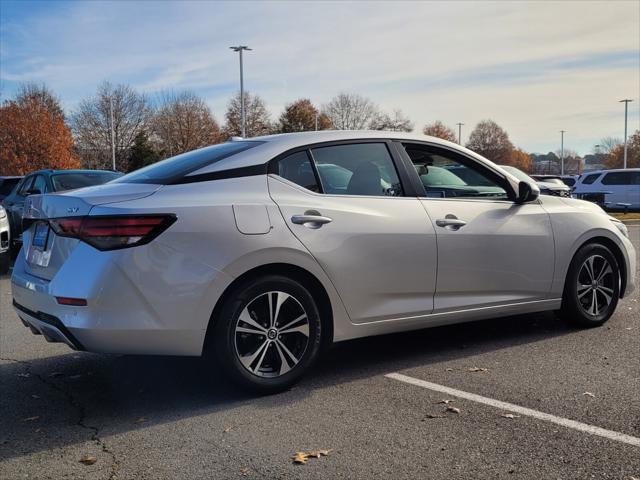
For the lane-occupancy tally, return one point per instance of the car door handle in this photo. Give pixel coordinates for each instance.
(455, 223)
(313, 221)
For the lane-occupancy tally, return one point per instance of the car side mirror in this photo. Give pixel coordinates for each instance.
(527, 192)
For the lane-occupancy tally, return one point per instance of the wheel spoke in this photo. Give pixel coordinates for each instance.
(270, 310)
(606, 269)
(293, 322)
(250, 330)
(248, 359)
(583, 290)
(304, 329)
(291, 355)
(589, 265)
(246, 318)
(281, 297)
(607, 293)
(284, 364)
(259, 364)
(593, 309)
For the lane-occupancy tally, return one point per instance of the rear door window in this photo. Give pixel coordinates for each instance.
(357, 169)
(621, 178)
(297, 169)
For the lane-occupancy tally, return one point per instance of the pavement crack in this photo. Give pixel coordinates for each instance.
(79, 407)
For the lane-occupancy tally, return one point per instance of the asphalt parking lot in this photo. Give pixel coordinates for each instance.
(168, 418)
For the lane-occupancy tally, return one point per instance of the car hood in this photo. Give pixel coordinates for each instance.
(577, 204)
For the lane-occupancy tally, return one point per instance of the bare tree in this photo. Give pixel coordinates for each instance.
(609, 144)
(302, 115)
(91, 125)
(440, 130)
(42, 95)
(349, 111)
(491, 141)
(256, 114)
(183, 122)
(394, 122)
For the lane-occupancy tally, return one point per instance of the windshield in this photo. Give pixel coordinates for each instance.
(70, 181)
(175, 168)
(519, 174)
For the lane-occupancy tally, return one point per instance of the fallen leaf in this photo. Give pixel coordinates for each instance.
(449, 369)
(633, 478)
(628, 328)
(56, 374)
(31, 419)
(453, 409)
(446, 402)
(431, 415)
(23, 375)
(88, 459)
(510, 415)
(477, 369)
(303, 457)
(140, 420)
(589, 394)
(227, 429)
(244, 471)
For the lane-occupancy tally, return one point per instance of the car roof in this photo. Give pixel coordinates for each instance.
(273, 145)
(75, 170)
(604, 170)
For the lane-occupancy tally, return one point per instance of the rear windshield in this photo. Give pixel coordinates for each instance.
(174, 168)
(70, 181)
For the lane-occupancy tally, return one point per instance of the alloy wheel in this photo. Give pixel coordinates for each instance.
(271, 334)
(595, 285)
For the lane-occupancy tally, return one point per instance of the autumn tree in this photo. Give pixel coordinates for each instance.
(394, 122)
(141, 153)
(440, 130)
(491, 141)
(521, 160)
(256, 115)
(615, 159)
(91, 125)
(349, 111)
(33, 134)
(302, 115)
(183, 122)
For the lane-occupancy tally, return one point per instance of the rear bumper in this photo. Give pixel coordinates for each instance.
(124, 314)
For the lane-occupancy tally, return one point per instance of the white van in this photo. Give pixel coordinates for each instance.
(618, 186)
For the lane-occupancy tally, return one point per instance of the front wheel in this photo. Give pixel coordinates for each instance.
(592, 287)
(268, 334)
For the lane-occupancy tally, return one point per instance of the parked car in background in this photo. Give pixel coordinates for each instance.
(7, 184)
(552, 185)
(618, 188)
(569, 180)
(260, 253)
(4, 242)
(48, 181)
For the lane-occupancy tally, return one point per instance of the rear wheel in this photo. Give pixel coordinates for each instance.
(592, 287)
(268, 334)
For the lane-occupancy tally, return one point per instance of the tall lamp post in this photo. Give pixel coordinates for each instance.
(626, 109)
(562, 132)
(240, 49)
(460, 133)
(113, 141)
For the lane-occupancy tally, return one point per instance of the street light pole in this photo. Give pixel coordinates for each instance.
(460, 133)
(626, 108)
(240, 49)
(113, 142)
(562, 132)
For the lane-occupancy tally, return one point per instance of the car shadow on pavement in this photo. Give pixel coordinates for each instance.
(61, 400)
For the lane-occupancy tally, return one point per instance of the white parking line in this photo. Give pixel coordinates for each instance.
(510, 407)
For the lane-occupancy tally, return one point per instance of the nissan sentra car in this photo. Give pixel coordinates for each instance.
(260, 253)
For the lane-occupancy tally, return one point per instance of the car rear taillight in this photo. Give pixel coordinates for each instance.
(113, 232)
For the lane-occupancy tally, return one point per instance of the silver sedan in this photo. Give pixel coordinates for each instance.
(263, 252)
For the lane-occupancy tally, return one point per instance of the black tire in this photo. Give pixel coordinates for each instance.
(274, 370)
(578, 301)
(5, 261)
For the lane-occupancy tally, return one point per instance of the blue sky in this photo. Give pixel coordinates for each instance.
(534, 67)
